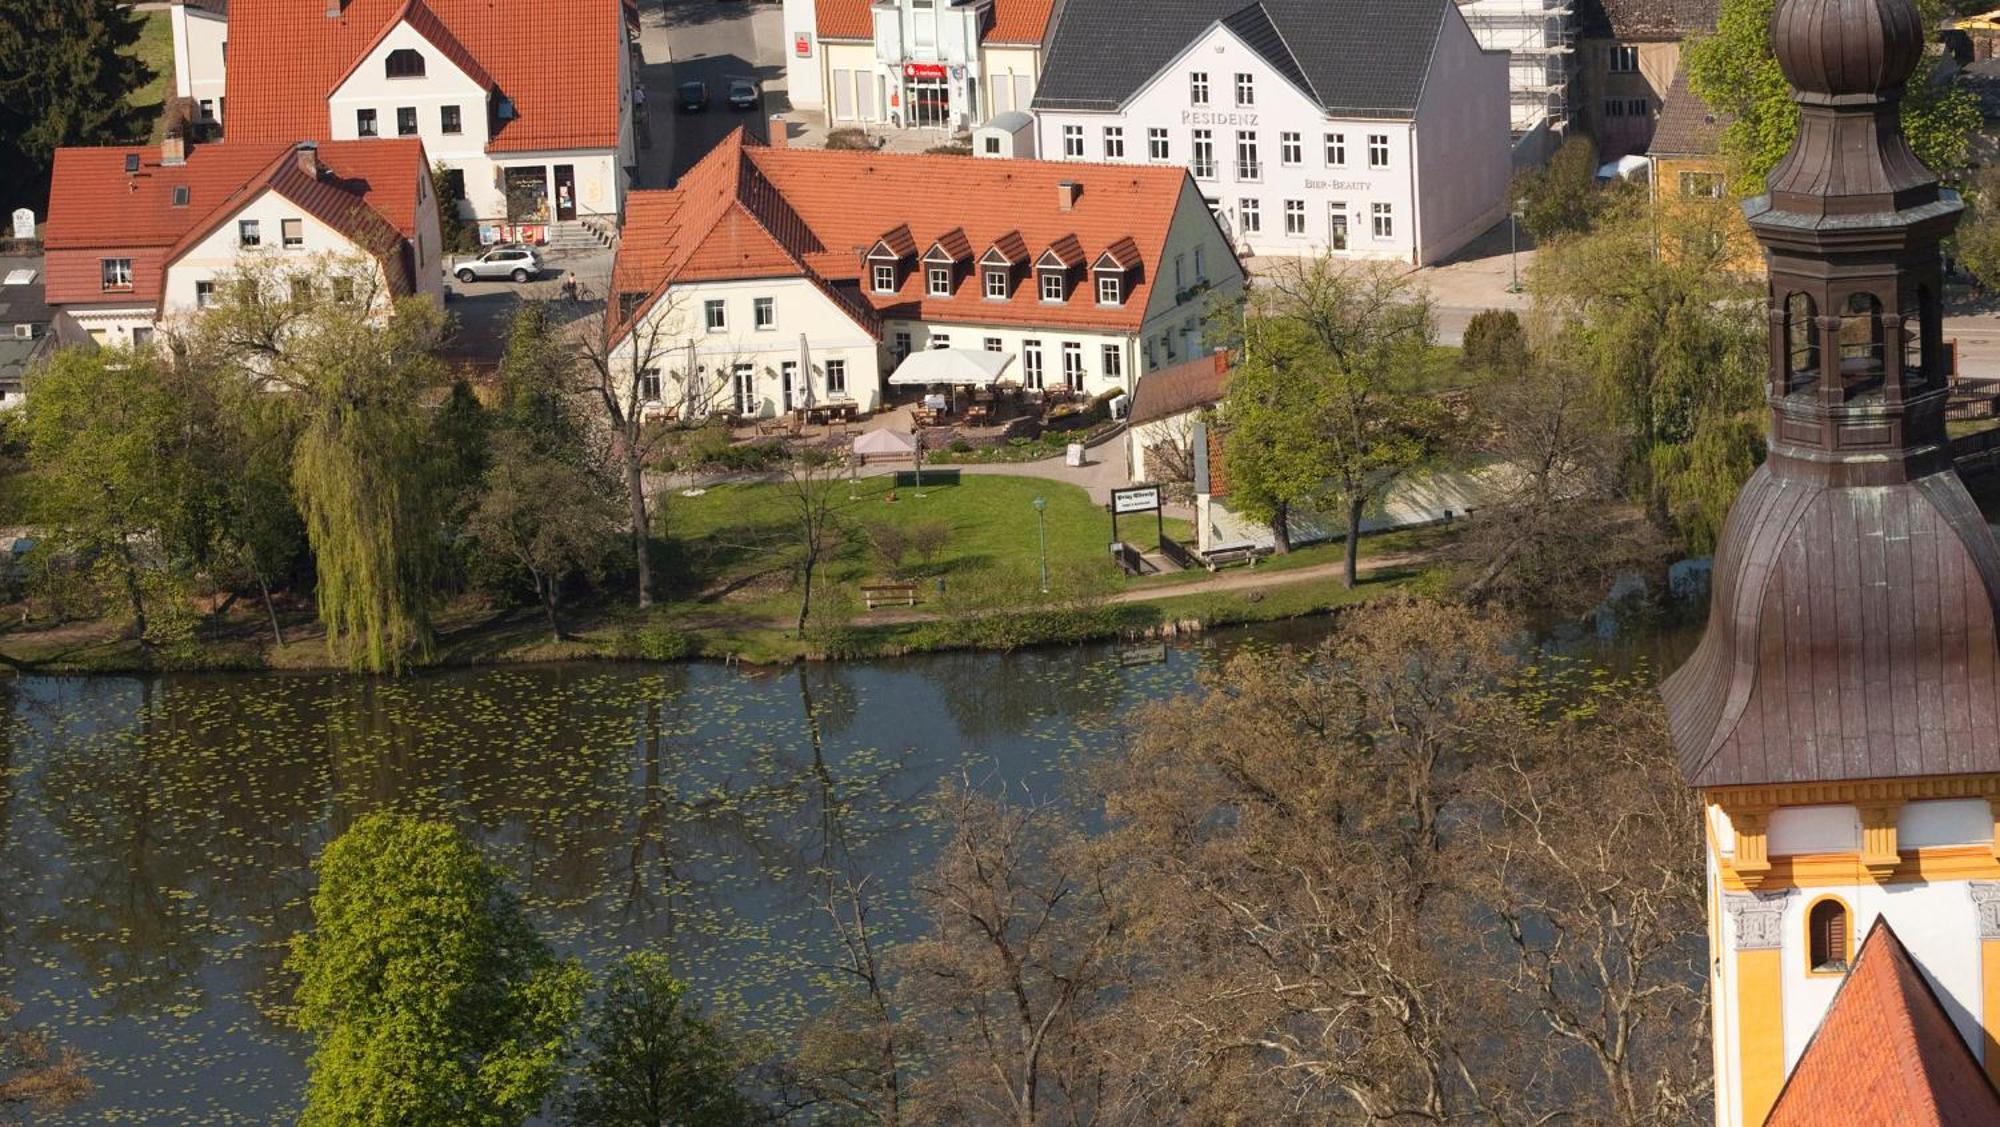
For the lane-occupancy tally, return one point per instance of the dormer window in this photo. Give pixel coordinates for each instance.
(180, 195)
(1113, 269)
(996, 285)
(1110, 290)
(885, 277)
(404, 63)
(937, 281)
(1052, 285)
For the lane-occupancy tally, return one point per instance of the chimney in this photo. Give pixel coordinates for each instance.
(1222, 361)
(1066, 194)
(173, 151)
(776, 133)
(333, 8)
(308, 158)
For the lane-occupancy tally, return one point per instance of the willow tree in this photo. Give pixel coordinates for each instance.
(358, 368)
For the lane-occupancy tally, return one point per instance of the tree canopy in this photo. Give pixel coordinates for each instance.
(66, 72)
(652, 1058)
(428, 996)
(1735, 71)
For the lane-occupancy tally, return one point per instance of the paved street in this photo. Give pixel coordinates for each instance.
(711, 41)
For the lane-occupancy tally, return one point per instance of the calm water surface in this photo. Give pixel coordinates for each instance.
(156, 835)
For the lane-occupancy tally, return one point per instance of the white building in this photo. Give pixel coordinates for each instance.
(1539, 37)
(1309, 127)
(945, 65)
(534, 126)
(201, 52)
(780, 277)
(139, 238)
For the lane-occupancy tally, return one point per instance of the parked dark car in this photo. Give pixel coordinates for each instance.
(694, 97)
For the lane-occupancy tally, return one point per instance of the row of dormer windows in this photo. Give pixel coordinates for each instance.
(941, 281)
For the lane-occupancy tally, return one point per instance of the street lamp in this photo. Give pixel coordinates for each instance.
(1514, 244)
(1042, 531)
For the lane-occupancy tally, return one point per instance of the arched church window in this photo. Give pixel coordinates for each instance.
(1828, 937)
(1801, 343)
(1861, 355)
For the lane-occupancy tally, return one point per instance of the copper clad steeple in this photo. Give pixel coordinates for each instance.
(1852, 629)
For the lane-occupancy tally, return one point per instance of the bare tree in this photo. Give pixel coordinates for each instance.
(810, 492)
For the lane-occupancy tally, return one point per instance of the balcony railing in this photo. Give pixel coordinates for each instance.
(1249, 170)
(1204, 169)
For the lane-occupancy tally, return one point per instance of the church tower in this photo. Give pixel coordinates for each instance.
(1841, 717)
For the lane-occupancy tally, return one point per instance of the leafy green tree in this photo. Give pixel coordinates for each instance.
(1495, 343)
(66, 70)
(428, 996)
(1736, 72)
(547, 516)
(105, 440)
(1562, 195)
(651, 1058)
(372, 480)
(1650, 302)
(1976, 243)
(1336, 360)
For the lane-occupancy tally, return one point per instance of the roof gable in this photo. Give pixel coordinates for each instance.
(1361, 58)
(418, 17)
(1886, 1052)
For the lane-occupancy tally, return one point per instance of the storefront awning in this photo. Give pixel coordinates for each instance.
(960, 367)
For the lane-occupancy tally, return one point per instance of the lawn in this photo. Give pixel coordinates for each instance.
(736, 545)
(156, 48)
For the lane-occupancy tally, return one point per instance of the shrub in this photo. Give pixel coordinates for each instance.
(928, 539)
(654, 641)
(954, 149)
(1495, 342)
(886, 540)
(849, 139)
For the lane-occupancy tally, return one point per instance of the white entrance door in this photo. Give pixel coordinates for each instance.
(843, 95)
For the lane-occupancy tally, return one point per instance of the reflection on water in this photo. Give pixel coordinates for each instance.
(156, 835)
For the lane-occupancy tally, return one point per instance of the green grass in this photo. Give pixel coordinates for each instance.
(156, 48)
(735, 546)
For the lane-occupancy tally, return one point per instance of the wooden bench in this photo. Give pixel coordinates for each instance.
(889, 594)
(1224, 557)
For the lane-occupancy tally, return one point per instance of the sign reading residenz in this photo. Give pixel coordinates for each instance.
(1144, 498)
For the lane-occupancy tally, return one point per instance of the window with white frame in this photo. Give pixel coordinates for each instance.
(788, 384)
(649, 385)
(364, 123)
(743, 388)
(1336, 150)
(1384, 220)
(1072, 352)
(1336, 234)
(836, 377)
(1624, 59)
(207, 113)
(1247, 165)
(1114, 361)
(1110, 290)
(937, 281)
(1180, 271)
(1246, 89)
(1198, 88)
(406, 121)
(1291, 149)
(900, 348)
(1250, 214)
(940, 340)
(996, 284)
(204, 294)
(1295, 217)
(1157, 145)
(249, 233)
(885, 278)
(1204, 154)
(1031, 364)
(1052, 285)
(292, 232)
(715, 315)
(1072, 140)
(993, 344)
(1114, 142)
(1378, 150)
(764, 312)
(449, 120)
(1200, 265)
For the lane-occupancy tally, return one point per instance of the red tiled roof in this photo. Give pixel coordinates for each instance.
(1014, 21)
(1183, 387)
(1886, 1053)
(369, 192)
(806, 201)
(559, 70)
(1019, 21)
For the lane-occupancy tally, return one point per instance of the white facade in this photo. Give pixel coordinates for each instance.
(744, 364)
(924, 68)
(1540, 40)
(1937, 919)
(201, 50)
(1290, 179)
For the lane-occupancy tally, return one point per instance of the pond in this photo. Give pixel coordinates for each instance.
(157, 834)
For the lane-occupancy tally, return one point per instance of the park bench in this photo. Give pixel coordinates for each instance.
(889, 594)
(1224, 557)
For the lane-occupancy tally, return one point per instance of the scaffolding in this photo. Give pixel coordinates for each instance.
(1539, 37)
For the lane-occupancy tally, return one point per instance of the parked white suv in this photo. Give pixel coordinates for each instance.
(508, 260)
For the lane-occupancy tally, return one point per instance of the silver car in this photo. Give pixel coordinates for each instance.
(508, 260)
